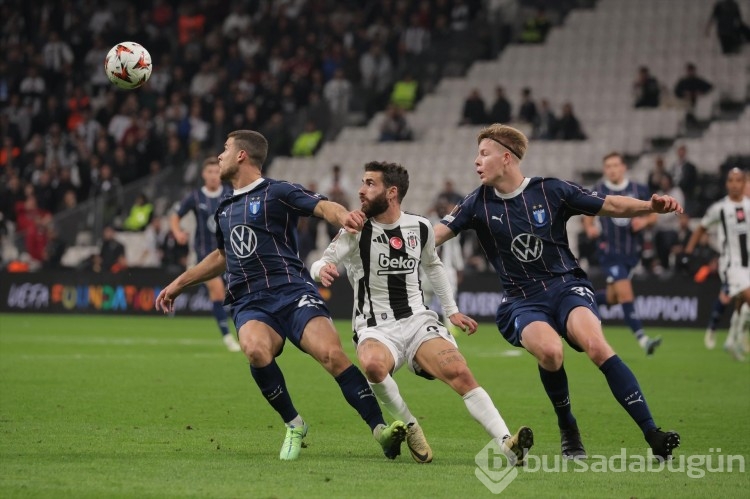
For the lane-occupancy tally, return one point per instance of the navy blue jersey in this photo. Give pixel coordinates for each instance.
(617, 238)
(257, 229)
(203, 204)
(523, 233)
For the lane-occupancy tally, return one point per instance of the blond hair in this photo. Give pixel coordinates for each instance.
(510, 138)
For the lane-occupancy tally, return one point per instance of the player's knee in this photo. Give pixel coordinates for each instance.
(257, 353)
(550, 357)
(597, 349)
(460, 377)
(375, 370)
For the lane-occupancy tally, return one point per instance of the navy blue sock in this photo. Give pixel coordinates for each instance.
(221, 317)
(556, 385)
(628, 393)
(717, 312)
(359, 395)
(601, 297)
(632, 320)
(271, 382)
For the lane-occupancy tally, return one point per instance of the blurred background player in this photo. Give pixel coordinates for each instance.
(451, 254)
(730, 215)
(620, 241)
(203, 203)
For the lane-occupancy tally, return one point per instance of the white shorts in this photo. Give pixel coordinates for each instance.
(404, 337)
(737, 280)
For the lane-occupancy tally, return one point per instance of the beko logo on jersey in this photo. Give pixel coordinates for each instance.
(398, 265)
(243, 240)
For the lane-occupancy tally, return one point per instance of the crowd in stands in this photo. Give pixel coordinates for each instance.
(292, 69)
(545, 124)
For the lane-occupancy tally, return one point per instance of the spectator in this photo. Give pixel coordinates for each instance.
(307, 142)
(527, 113)
(685, 176)
(646, 89)
(111, 256)
(338, 95)
(448, 196)
(278, 136)
(174, 255)
(501, 108)
(568, 126)
(318, 112)
(690, 87)
(31, 223)
(546, 124)
(54, 249)
(536, 28)
(404, 94)
(729, 26)
(107, 190)
(415, 39)
(474, 112)
(395, 127)
(56, 54)
(337, 179)
(377, 73)
(140, 214)
(655, 175)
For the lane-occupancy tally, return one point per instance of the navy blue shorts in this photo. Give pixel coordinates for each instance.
(551, 306)
(286, 310)
(617, 268)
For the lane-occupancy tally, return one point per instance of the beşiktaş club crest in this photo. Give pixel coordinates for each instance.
(254, 207)
(539, 214)
(412, 241)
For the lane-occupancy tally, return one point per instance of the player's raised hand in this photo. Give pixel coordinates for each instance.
(355, 219)
(665, 204)
(166, 298)
(466, 323)
(328, 274)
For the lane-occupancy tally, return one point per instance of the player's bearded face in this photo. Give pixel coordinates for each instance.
(376, 206)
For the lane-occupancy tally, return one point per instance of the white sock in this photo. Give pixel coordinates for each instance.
(387, 392)
(744, 316)
(735, 327)
(481, 408)
(296, 422)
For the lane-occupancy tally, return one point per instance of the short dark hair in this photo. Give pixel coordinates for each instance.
(393, 175)
(210, 161)
(613, 154)
(253, 143)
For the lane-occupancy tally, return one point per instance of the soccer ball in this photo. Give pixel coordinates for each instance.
(128, 65)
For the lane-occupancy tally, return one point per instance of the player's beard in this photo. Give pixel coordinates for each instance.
(228, 172)
(376, 206)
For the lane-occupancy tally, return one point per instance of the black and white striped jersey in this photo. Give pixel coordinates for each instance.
(733, 233)
(382, 263)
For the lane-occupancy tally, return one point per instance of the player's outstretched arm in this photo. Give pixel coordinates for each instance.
(627, 207)
(335, 214)
(442, 233)
(208, 268)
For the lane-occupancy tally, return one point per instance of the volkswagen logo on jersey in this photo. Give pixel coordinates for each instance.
(526, 247)
(396, 243)
(540, 215)
(243, 240)
(211, 224)
(254, 207)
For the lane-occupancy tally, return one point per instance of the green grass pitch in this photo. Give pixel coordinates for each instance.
(110, 407)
